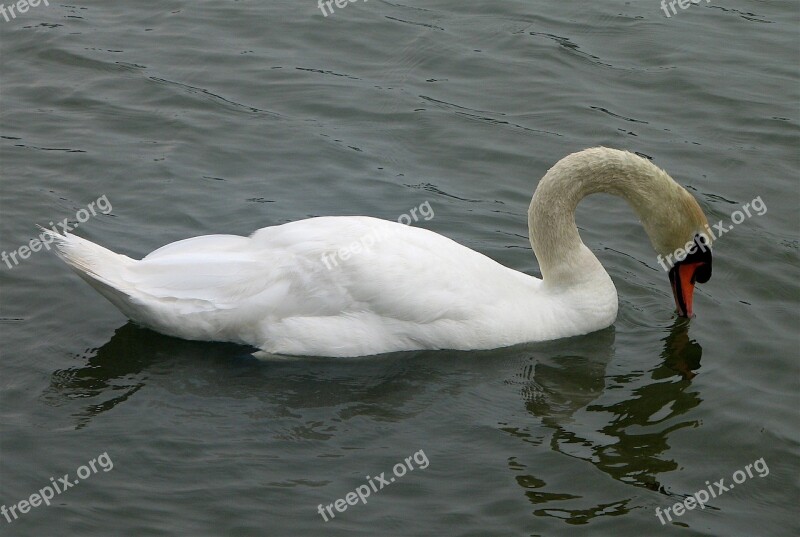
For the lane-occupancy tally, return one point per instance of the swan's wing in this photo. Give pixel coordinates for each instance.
(361, 264)
(212, 244)
(229, 272)
(201, 273)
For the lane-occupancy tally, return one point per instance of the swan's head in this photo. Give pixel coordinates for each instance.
(682, 238)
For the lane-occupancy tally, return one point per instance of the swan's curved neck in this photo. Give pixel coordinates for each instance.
(562, 256)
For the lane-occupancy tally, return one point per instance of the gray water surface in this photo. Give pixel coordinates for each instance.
(224, 116)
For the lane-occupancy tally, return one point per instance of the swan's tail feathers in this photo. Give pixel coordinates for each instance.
(99, 267)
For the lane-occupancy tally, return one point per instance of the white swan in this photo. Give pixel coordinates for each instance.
(290, 290)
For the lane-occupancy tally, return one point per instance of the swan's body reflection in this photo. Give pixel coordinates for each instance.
(610, 422)
(136, 357)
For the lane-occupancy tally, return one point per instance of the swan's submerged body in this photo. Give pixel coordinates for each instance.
(292, 289)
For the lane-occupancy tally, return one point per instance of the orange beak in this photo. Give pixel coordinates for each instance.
(682, 278)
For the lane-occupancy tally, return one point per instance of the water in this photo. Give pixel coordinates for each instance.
(223, 117)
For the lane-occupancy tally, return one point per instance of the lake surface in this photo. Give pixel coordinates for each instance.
(203, 117)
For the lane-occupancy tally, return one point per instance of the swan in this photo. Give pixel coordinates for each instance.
(344, 286)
